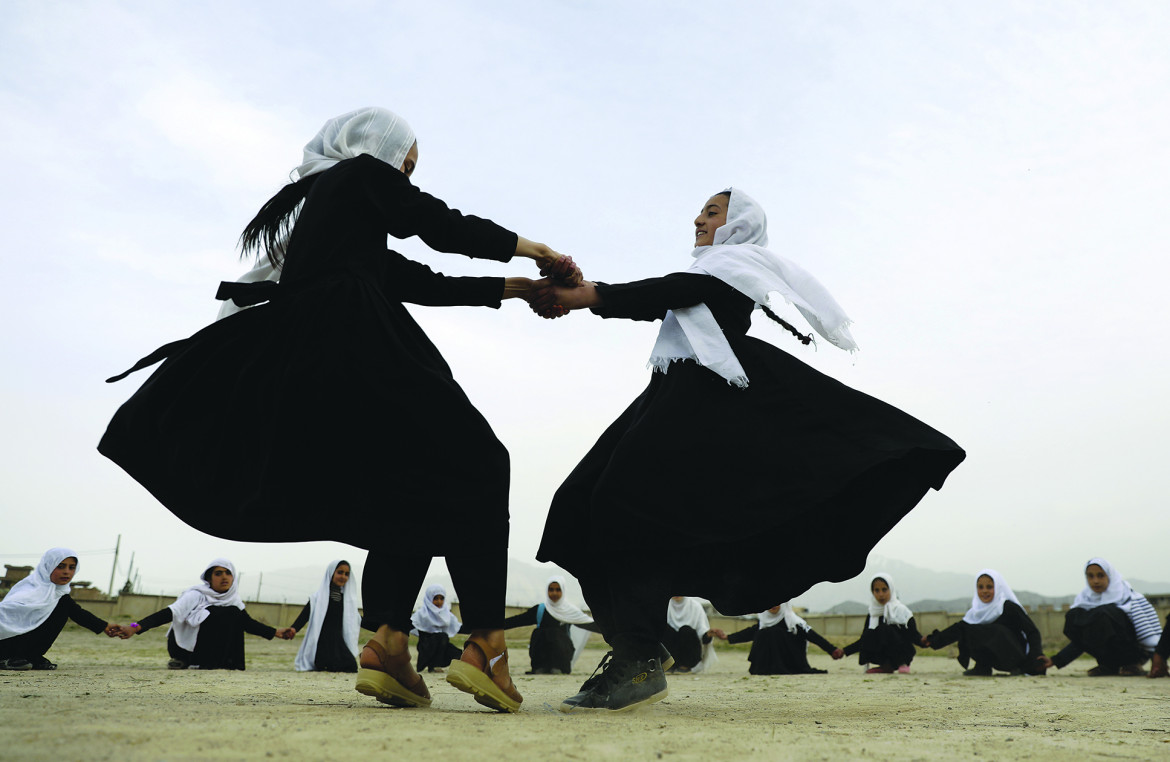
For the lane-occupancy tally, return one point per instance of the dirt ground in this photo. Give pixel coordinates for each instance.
(114, 699)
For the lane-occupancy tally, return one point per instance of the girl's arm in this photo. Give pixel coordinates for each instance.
(252, 627)
(1016, 619)
(638, 300)
(84, 618)
(938, 640)
(162, 616)
(816, 639)
(302, 619)
(745, 635)
(523, 619)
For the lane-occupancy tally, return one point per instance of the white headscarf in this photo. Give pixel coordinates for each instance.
(1146, 624)
(306, 660)
(432, 618)
(985, 613)
(738, 258)
(689, 613)
(31, 600)
(374, 131)
(790, 618)
(190, 609)
(895, 612)
(567, 613)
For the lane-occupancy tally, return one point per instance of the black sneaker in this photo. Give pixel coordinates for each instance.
(42, 663)
(977, 671)
(665, 657)
(619, 685)
(16, 663)
(176, 664)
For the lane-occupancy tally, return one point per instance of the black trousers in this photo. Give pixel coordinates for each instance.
(391, 583)
(34, 643)
(1106, 634)
(628, 600)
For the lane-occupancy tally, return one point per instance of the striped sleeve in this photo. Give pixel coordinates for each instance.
(1145, 622)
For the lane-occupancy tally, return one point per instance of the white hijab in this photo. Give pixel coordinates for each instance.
(432, 618)
(306, 660)
(738, 257)
(1145, 620)
(895, 612)
(689, 613)
(374, 131)
(985, 613)
(31, 600)
(790, 618)
(190, 609)
(567, 613)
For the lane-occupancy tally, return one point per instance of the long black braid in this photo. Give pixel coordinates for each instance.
(802, 338)
(269, 229)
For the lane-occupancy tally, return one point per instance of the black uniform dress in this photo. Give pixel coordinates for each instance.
(220, 642)
(1105, 632)
(685, 644)
(796, 454)
(435, 651)
(33, 644)
(1163, 647)
(776, 651)
(550, 649)
(331, 394)
(887, 645)
(1011, 643)
(333, 655)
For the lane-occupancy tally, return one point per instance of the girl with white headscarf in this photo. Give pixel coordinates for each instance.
(1110, 621)
(890, 635)
(435, 624)
(560, 634)
(331, 642)
(780, 643)
(327, 392)
(733, 443)
(208, 622)
(35, 610)
(688, 635)
(995, 632)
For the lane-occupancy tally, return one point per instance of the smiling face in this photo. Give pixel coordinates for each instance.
(220, 579)
(341, 575)
(554, 591)
(411, 160)
(881, 591)
(438, 601)
(711, 218)
(1097, 578)
(985, 588)
(64, 571)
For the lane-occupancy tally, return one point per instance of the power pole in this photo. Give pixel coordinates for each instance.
(258, 584)
(130, 572)
(114, 566)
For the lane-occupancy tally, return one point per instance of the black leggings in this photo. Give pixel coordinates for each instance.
(391, 583)
(629, 605)
(34, 643)
(1106, 634)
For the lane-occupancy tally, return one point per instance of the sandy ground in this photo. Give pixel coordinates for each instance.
(113, 699)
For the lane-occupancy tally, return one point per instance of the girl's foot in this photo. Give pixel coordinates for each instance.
(1102, 671)
(879, 671)
(482, 671)
(42, 663)
(1131, 670)
(1158, 666)
(388, 676)
(904, 669)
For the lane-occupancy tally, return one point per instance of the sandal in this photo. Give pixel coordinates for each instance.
(376, 678)
(483, 672)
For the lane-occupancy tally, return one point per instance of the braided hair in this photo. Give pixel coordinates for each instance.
(269, 229)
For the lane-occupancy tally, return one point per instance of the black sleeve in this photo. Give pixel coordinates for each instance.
(1018, 620)
(522, 619)
(943, 639)
(855, 646)
(1067, 655)
(650, 299)
(407, 211)
(814, 637)
(414, 282)
(591, 626)
(84, 618)
(1163, 647)
(253, 627)
(302, 617)
(162, 616)
(912, 630)
(745, 635)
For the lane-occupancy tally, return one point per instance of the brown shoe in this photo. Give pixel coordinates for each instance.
(1102, 671)
(1131, 670)
(390, 679)
(483, 672)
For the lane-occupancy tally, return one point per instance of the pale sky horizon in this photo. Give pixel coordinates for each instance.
(982, 187)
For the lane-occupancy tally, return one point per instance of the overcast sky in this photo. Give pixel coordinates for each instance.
(983, 187)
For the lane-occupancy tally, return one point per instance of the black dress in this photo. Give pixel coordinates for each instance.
(330, 394)
(776, 651)
(685, 644)
(33, 644)
(220, 642)
(796, 454)
(1011, 643)
(1105, 632)
(550, 648)
(887, 645)
(333, 655)
(435, 651)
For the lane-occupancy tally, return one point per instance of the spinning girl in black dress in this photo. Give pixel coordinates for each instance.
(331, 394)
(731, 424)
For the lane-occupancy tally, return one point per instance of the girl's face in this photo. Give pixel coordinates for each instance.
(438, 601)
(221, 579)
(64, 571)
(411, 160)
(881, 591)
(341, 575)
(554, 591)
(1097, 578)
(985, 588)
(713, 216)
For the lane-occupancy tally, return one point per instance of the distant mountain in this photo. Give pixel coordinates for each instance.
(848, 607)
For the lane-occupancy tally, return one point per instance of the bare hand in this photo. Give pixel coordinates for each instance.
(718, 633)
(286, 633)
(837, 654)
(1158, 666)
(112, 630)
(1046, 662)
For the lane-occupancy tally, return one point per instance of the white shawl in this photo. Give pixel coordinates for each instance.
(895, 612)
(306, 660)
(738, 258)
(374, 131)
(689, 613)
(790, 618)
(431, 618)
(985, 613)
(1146, 624)
(190, 609)
(567, 613)
(31, 600)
